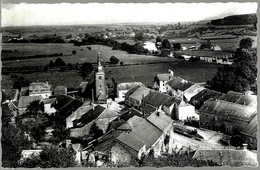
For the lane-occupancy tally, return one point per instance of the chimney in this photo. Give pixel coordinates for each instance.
(245, 145)
(47, 83)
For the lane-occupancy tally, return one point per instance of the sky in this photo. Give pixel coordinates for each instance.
(24, 14)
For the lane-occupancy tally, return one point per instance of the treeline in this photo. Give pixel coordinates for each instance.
(36, 39)
(132, 49)
(33, 56)
(247, 19)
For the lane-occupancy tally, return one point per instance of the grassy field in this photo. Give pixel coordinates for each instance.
(193, 71)
(82, 55)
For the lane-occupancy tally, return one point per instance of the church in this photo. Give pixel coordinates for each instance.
(100, 84)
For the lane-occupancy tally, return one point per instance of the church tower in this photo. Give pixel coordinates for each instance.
(101, 91)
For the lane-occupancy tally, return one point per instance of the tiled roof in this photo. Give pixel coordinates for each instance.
(128, 85)
(192, 91)
(24, 101)
(49, 101)
(131, 91)
(91, 114)
(108, 114)
(39, 85)
(248, 100)
(164, 77)
(131, 113)
(160, 120)
(140, 93)
(231, 96)
(80, 111)
(178, 83)
(228, 157)
(157, 99)
(143, 133)
(221, 107)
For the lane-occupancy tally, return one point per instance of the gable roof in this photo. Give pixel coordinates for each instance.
(164, 77)
(224, 108)
(107, 113)
(91, 114)
(140, 93)
(192, 91)
(131, 113)
(39, 85)
(157, 99)
(142, 133)
(231, 157)
(248, 100)
(160, 120)
(49, 101)
(178, 83)
(80, 111)
(131, 91)
(128, 85)
(24, 101)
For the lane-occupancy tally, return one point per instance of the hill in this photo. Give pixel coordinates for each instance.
(246, 19)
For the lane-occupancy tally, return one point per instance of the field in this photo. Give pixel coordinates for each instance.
(193, 71)
(81, 56)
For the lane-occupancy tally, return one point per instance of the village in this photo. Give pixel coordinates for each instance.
(92, 85)
(171, 115)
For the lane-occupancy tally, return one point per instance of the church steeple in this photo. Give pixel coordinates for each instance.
(99, 64)
(101, 90)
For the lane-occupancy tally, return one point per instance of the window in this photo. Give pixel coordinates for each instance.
(100, 77)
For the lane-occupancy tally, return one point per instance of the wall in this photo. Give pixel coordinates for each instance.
(186, 111)
(119, 154)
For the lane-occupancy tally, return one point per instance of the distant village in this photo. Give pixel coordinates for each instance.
(171, 115)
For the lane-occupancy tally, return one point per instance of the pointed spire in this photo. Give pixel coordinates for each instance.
(99, 59)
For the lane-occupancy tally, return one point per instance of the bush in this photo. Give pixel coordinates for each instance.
(59, 62)
(114, 60)
(121, 63)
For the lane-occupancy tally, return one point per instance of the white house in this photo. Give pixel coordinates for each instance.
(40, 89)
(161, 80)
(122, 89)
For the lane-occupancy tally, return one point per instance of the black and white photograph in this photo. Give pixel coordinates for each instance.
(130, 84)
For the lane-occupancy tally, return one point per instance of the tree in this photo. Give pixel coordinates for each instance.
(74, 52)
(21, 82)
(139, 36)
(241, 75)
(59, 62)
(176, 46)
(166, 44)
(114, 60)
(52, 157)
(13, 140)
(86, 69)
(51, 64)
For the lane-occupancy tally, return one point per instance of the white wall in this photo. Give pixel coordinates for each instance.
(186, 111)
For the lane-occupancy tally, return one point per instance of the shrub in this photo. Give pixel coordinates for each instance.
(114, 60)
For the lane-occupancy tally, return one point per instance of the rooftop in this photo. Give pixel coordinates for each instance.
(140, 92)
(143, 133)
(231, 96)
(24, 101)
(160, 120)
(164, 77)
(192, 91)
(128, 85)
(39, 85)
(178, 83)
(157, 99)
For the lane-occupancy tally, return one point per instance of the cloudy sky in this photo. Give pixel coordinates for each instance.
(23, 14)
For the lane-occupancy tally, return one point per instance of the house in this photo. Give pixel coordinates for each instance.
(230, 118)
(133, 139)
(25, 101)
(161, 80)
(177, 86)
(228, 157)
(60, 90)
(48, 106)
(231, 96)
(185, 111)
(122, 89)
(216, 48)
(135, 95)
(199, 99)
(99, 115)
(11, 94)
(40, 89)
(192, 91)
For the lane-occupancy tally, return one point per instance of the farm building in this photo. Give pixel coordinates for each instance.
(192, 91)
(230, 118)
(40, 89)
(122, 89)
